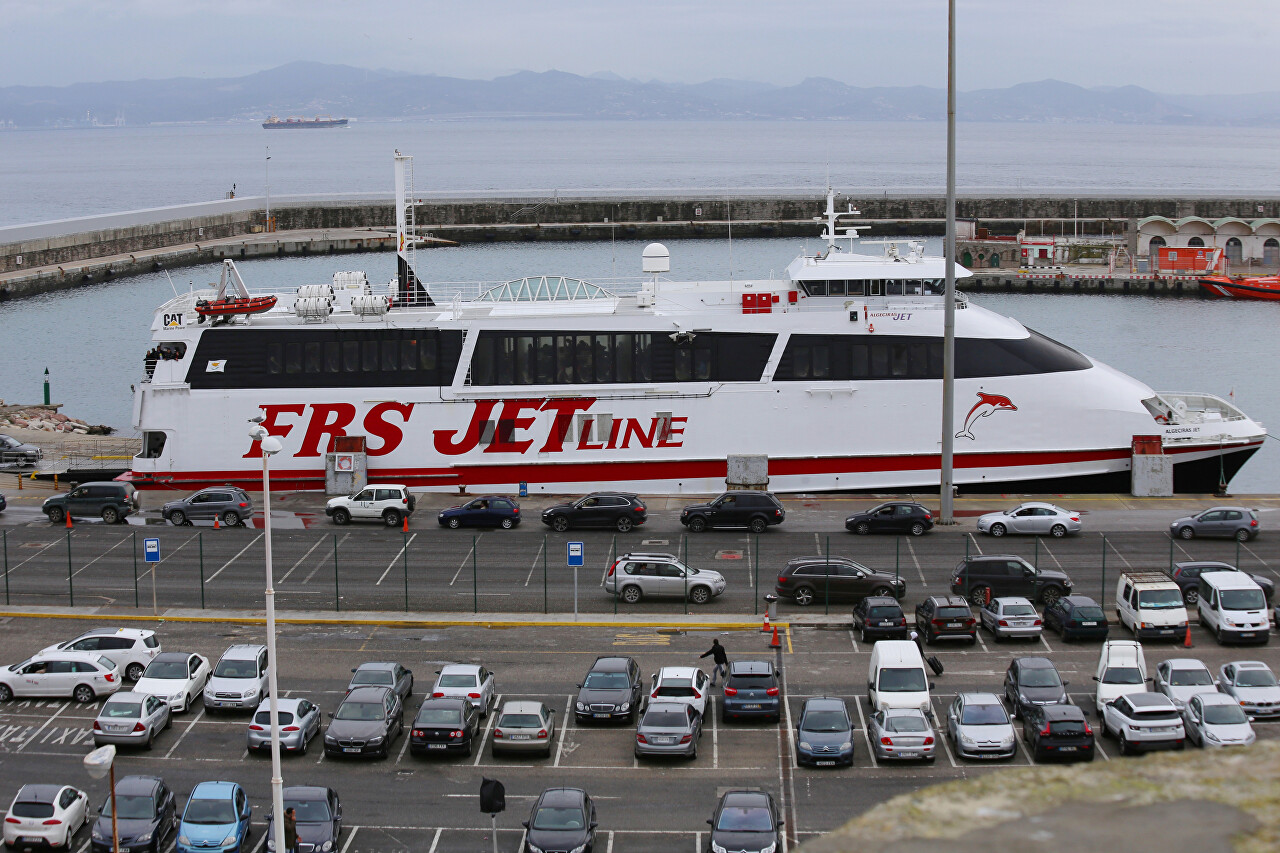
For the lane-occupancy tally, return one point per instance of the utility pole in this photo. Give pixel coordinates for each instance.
(949, 317)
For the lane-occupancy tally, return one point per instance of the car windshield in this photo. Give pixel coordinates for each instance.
(166, 669)
(1089, 614)
(439, 717)
(954, 613)
(1255, 678)
(753, 819)
(1160, 599)
(1156, 714)
(750, 682)
(236, 669)
(558, 818)
(1189, 677)
(1243, 599)
(263, 718)
(360, 711)
(132, 807)
(675, 687)
(666, 720)
(122, 710)
(1018, 610)
(210, 812)
(381, 677)
(884, 611)
(606, 681)
(983, 715)
(825, 721)
(308, 811)
(31, 810)
(520, 721)
(1067, 727)
(465, 680)
(1224, 715)
(1122, 675)
(909, 680)
(905, 723)
(1040, 677)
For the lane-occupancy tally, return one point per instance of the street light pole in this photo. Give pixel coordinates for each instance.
(266, 166)
(270, 445)
(947, 478)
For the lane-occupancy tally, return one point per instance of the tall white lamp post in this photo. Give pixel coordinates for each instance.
(270, 446)
(102, 762)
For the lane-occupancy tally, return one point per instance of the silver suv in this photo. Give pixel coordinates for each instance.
(226, 503)
(239, 680)
(639, 575)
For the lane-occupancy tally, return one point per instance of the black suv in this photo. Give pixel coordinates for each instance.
(941, 617)
(1075, 616)
(112, 501)
(805, 580)
(753, 510)
(618, 510)
(1187, 577)
(612, 690)
(880, 617)
(981, 579)
(894, 517)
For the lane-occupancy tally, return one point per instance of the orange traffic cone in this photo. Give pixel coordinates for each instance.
(775, 643)
(406, 524)
(215, 522)
(1186, 643)
(69, 524)
(765, 629)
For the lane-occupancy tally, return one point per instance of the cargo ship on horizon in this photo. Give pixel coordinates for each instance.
(276, 123)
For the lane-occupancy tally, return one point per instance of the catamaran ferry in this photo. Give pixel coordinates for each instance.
(833, 372)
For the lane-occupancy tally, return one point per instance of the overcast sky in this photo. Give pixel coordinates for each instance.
(1177, 46)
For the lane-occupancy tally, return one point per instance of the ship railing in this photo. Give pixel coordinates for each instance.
(1193, 408)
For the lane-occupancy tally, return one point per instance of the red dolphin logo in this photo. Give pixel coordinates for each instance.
(987, 403)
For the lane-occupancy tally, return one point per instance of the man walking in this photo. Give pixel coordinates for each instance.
(717, 654)
(290, 830)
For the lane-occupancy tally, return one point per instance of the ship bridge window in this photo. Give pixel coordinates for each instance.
(893, 287)
(835, 287)
(152, 445)
(815, 288)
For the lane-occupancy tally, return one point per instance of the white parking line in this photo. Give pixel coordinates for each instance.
(911, 549)
(715, 736)
(568, 712)
(351, 836)
(1045, 643)
(981, 641)
(1116, 551)
(534, 564)
(37, 554)
(23, 745)
(1260, 560)
(1045, 546)
(609, 847)
(866, 732)
(262, 841)
(854, 640)
(300, 559)
(325, 560)
(940, 731)
(493, 715)
(191, 725)
(697, 842)
(465, 560)
(974, 540)
(396, 559)
(99, 557)
(404, 746)
(236, 557)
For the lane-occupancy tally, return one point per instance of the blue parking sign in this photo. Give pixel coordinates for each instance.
(151, 549)
(576, 554)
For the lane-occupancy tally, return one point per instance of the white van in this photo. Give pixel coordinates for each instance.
(1233, 607)
(1122, 669)
(897, 678)
(1150, 605)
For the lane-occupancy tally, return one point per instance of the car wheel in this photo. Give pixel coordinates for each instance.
(917, 529)
(508, 523)
(758, 525)
(979, 595)
(134, 671)
(699, 595)
(110, 514)
(864, 636)
(177, 518)
(862, 528)
(470, 746)
(1125, 749)
(805, 596)
(56, 514)
(1191, 596)
(693, 753)
(1187, 532)
(6, 693)
(624, 524)
(454, 523)
(151, 740)
(231, 518)
(302, 747)
(1050, 596)
(997, 530)
(341, 516)
(1058, 531)
(1242, 535)
(631, 594)
(559, 523)
(697, 524)
(882, 590)
(83, 694)
(391, 518)
(168, 720)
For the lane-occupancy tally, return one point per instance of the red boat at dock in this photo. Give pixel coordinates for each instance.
(1239, 287)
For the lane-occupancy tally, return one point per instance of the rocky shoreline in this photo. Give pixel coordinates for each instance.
(48, 420)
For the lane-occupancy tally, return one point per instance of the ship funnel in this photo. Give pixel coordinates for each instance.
(410, 290)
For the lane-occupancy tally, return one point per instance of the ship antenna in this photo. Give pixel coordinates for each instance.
(171, 287)
(729, 209)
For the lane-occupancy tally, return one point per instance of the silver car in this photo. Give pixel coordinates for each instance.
(637, 576)
(466, 681)
(1035, 519)
(668, 728)
(1011, 616)
(17, 452)
(299, 723)
(131, 719)
(1212, 719)
(524, 727)
(902, 733)
(1232, 522)
(979, 727)
(1182, 678)
(1253, 685)
(383, 674)
(228, 504)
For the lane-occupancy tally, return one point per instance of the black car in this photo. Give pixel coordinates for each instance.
(561, 819)
(109, 500)
(1187, 576)
(147, 814)
(880, 617)
(317, 814)
(946, 617)
(1076, 617)
(618, 510)
(983, 578)
(755, 511)
(612, 690)
(893, 517)
(1058, 731)
(3, 503)
(806, 580)
(444, 726)
(746, 821)
(751, 689)
(366, 723)
(1033, 681)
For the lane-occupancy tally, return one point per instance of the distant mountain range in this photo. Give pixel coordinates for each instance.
(310, 88)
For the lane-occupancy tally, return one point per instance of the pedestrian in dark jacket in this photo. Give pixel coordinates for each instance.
(290, 830)
(717, 654)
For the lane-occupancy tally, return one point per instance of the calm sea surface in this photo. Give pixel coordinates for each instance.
(57, 174)
(93, 339)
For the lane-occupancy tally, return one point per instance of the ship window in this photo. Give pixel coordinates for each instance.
(427, 354)
(564, 366)
(859, 361)
(644, 358)
(622, 357)
(351, 356)
(152, 445)
(835, 287)
(408, 354)
(526, 361)
(311, 356)
(482, 362)
(504, 360)
(879, 360)
(546, 360)
(821, 362)
(584, 372)
(293, 358)
(893, 287)
(604, 359)
(275, 358)
(856, 287)
(369, 353)
(801, 363)
(332, 357)
(390, 356)
(816, 288)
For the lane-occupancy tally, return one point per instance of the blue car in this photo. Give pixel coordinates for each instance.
(751, 690)
(485, 511)
(216, 819)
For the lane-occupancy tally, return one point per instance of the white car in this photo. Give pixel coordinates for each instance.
(45, 816)
(979, 727)
(176, 677)
(83, 676)
(389, 503)
(1035, 518)
(1122, 670)
(1144, 721)
(685, 684)
(1182, 678)
(131, 719)
(1214, 719)
(131, 648)
(239, 680)
(1011, 616)
(466, 681)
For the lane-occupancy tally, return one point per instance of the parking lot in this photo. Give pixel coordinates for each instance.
(430, 804)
